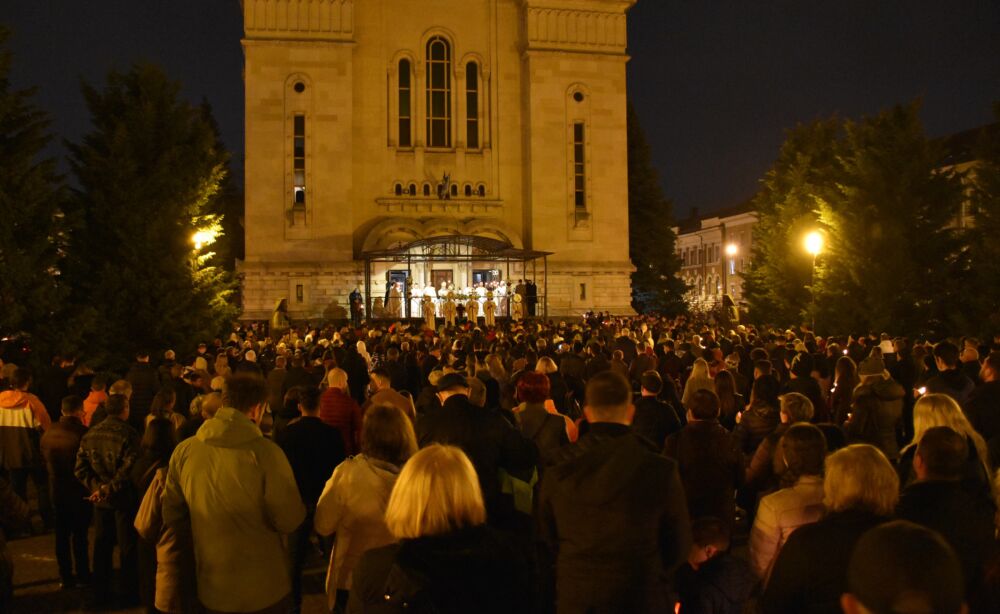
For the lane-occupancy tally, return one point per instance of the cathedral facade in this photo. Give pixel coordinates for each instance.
(372, 125)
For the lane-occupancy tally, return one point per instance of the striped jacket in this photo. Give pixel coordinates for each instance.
(22, 418)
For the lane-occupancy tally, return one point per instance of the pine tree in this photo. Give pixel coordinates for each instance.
(656, 286)
(777, 284)
(33, 229)
(984, 252)
(148, 173)
(892, 254)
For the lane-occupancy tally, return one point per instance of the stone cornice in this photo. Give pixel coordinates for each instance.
(424, 206)
(581, 26)
(330, 20)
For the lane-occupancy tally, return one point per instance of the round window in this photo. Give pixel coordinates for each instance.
(299, 87)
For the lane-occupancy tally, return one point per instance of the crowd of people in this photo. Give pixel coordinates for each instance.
(608, 464)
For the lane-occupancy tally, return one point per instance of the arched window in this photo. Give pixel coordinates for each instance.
(405, 105)
(472, 105)
(427, 189)
(438, 93)
(413, 189)
(399, 189)
(482, 191)
(468, 190)
(454, 189)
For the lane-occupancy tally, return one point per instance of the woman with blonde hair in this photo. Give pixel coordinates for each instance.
(355, 497)
(558, 389)
(446, 560)
(936, 409)
(339, 409)
(860, 491)
(698, 380)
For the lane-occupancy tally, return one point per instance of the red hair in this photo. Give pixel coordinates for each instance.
(533, 387)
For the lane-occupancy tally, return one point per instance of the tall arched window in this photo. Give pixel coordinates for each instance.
(472, 105)
(438, 93)
(405, 105)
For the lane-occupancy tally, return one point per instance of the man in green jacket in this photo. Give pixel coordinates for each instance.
(237, 491)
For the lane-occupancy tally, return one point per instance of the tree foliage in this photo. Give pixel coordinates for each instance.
(33, 227)
(876, 190)
(148, 173)
(655, 284)
(984, 250)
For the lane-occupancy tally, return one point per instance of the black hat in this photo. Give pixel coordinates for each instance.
(452, 380)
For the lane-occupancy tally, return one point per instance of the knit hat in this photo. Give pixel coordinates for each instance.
(871, 366)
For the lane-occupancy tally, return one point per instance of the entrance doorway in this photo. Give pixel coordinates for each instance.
(403, 279)
(442, 275)
(485, 276)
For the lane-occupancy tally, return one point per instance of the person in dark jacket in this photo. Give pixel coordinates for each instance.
(802, 382)
(103, 464)
(983, 406)
(597, 362)
(875, 379)
(73, 512)
(939, 500)
(145, 382)
(654, 419)
(490, 442)
(949, 380)
(901, 565)
(860, 491)
(761, 416)
(314, 449)
(447, 560)
(713, 581)
(547, 430)
(612, 514)
(157, 445)
(296, 377)
(709, 459)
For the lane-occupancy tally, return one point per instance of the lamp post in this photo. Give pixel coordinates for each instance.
(729, 267)
(813, 245)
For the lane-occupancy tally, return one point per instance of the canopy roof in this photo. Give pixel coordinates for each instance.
(450, 248)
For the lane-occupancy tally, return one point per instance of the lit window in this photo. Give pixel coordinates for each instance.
(438, 93)
(579, 166)
(472, 106)
(405, 114)
(299, 160)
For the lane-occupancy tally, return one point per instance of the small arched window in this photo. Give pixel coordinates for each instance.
(468, 190)
(482, 191)
(413, 189)
(454, 189)
(399, 189)
(405, 105)
(438, 92)
(427, 189)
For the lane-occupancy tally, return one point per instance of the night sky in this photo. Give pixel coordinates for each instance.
(716, 82)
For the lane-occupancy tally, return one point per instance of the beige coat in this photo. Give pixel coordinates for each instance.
(353, 506)
(175, 584)
(237, 492)
(778, 515)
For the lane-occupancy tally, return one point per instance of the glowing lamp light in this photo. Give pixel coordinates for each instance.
(814, 243)
(731, 249)
(204, 237)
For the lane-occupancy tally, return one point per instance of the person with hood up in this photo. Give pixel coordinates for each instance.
(237, 491)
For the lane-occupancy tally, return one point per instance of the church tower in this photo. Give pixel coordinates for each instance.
(390, 126)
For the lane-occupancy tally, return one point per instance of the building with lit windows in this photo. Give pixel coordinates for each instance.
(384, 135)
(714, 252)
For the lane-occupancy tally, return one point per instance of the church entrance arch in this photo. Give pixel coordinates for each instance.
(461, 262)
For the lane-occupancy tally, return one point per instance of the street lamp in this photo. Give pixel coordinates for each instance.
(729, 267)
(814, 245)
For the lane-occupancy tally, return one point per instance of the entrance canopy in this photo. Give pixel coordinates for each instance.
(459, 249)
(455, 248)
